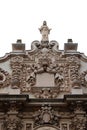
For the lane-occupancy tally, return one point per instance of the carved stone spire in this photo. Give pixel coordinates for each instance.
(45, 31)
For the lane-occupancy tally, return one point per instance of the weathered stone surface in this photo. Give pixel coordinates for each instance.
(43, 88)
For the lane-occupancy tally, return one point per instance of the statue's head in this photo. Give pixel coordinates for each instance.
(44, 23)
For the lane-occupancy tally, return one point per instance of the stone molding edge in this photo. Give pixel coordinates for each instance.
(25, 97)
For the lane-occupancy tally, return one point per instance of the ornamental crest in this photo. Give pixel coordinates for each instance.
(46, 115)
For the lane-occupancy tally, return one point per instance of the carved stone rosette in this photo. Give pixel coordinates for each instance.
(5, 78)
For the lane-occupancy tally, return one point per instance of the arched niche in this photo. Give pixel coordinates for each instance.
(47, 128)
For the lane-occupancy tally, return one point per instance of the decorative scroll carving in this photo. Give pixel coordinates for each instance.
(16, 65)
(46, 115)
(35, 46)
(5, 78)
(52, 46)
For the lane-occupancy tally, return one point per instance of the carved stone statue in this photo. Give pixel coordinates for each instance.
(44, 30)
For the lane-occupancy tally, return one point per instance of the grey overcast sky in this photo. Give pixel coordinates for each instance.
(20, 19)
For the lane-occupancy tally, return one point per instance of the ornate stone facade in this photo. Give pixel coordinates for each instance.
(44, 88)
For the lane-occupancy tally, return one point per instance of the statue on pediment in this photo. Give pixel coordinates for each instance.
(45, 31)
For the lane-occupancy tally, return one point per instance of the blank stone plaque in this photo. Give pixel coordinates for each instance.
(45, 80)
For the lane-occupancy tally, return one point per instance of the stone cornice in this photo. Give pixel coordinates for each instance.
(24, 97)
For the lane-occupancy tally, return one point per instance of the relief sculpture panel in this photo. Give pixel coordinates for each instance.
(51, 73)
